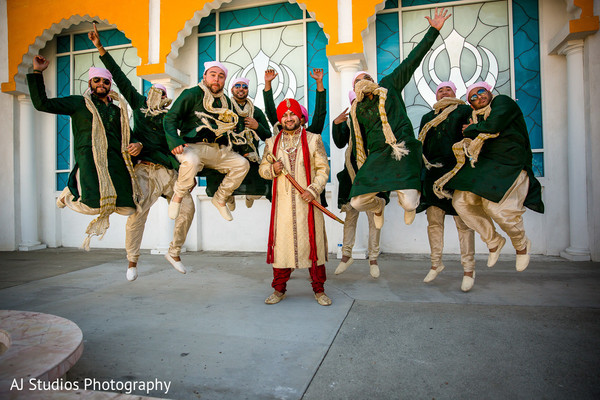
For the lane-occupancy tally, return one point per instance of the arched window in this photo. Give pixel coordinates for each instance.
(495, 41)
(279, 36)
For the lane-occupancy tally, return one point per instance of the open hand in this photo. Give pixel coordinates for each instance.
(439, 17)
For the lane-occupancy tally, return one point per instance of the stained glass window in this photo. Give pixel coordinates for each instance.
(71, 78)
(292, 49)
(255, 16)
(474, 45)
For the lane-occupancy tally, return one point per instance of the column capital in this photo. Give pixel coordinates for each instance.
(570, 47)
(163, 73)
(348, 62)
(24, 98)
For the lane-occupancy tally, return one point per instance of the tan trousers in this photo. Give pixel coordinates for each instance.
(479, 214)
(67, 197)
(435, 232)
(155, 181)
(407, 198)
(196, 156)
(350, 233)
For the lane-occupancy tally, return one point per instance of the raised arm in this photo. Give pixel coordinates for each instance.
(270, 109)
(320, 113)
(37, 91)
(400, 77)
(133, 97)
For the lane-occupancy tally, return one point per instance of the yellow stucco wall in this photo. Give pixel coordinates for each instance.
(28, 19)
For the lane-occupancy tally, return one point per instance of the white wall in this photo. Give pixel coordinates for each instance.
(7, 151)
(554, 114)
(592, 66)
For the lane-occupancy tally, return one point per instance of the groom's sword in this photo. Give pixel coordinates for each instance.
(299, 188)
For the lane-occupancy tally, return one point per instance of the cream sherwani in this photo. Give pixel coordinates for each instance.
(292, 245)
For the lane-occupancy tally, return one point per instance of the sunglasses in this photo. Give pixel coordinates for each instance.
(476, 95)
(240, 85)
(104, 80)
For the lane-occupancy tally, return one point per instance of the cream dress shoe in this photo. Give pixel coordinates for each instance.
(467, 283)
(178, 265)
(433, 273)
(132, 274)
(343, 266)
(494, 255)
(523, 259)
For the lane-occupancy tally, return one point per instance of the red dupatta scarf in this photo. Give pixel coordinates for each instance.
(311, 216)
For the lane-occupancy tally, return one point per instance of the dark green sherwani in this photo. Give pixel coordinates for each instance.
(81, 121)
(182, 117)
(502, 158)
(341, 138)
(147, 130)
(381, 172)
(438, 149)
(253, 183)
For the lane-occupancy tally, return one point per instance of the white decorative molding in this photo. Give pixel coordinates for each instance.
(40, 42)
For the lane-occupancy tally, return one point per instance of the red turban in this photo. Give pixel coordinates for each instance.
(289, 104)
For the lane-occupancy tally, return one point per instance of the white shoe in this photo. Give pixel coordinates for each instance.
(523, 259)
(249, 202)
(343, 266)
(178, 265)
(231, 203)
(467, 283)
(223, 210)
(174, 209)
(374, 270)
(493, 256)
(433, 273)
(132, 274)
(378, 219)
(409, 216)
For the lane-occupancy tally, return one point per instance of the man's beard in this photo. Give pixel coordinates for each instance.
(296, 126)
(100, 95)
(210, 87)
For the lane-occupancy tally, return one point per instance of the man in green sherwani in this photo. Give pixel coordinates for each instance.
(252, 127)
(156, 167)
(387, 153)
(198, 128)
(439, 130)
(501, 183)
(102, 180)
(341, 137)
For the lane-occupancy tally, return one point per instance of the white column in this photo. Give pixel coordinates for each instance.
(345, 15)
(578, 249)
(348, 69)
(28, 178)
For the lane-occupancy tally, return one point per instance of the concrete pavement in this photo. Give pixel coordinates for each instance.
(534, 334)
